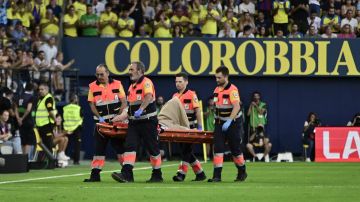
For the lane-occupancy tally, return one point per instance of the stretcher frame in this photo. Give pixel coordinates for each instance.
(119, 130)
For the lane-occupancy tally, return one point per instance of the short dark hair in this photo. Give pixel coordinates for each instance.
(183, 75)
(222, 69)
(7, 91)
(139, 66)
(29, 87)
(44, 84)
(73, 97)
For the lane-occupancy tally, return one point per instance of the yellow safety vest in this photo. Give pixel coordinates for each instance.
(72, 118)
(42, 116)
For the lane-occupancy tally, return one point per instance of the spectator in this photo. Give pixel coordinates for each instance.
(89, 23)
(142, 33)
(218, 6)
(281, 9)
(6, 137)
(135, 12)
(177, 32)
(230, 19)
(262, 33)
(257, 141)
(346, 32)
(49, 25)
(314, 21)
(247, 33)
(328, 33)
(265, 7)
(162, 25)
(314, 6)
(309, 135)
(299, 12)
(26, 18)
(247, 7)
(49, 49)
(331, 20)
(38, 10)
(349, 20)
(209, 19)
(261, 21)
(23, 111)
(227, 32)
(108, 21)
(294, 32)
(58, 66)
(149, 11)
(355, 120)
(233, 6)
(97, 7)
(35, 38)
(257, 112)
(80, 8)
(18, 34)
(3, 15)
(192, 31)
(180, 19)
(345, 8)
(60, 139)
(312, 33)
(246, 19)
(56, 9)
(126, 25)
(159, 103)
(71, 22)
(40, 64)
(195, 9)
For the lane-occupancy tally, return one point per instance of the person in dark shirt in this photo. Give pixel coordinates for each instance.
(135, 12)
(299, 13)
(23, 112)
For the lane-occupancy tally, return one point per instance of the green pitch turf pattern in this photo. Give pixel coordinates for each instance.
(309, 182)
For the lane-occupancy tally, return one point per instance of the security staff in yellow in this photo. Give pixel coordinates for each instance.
(45, 115)
(73, 120)
(106, 99)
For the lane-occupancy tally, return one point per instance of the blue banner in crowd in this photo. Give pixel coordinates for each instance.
(200, 56)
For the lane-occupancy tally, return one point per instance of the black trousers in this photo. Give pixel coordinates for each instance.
(46, 134)
(145, 129)
(187, 153)
(101, 142)
(232, 136)
(75, 139)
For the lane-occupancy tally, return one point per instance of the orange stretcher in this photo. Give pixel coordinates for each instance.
(167, 135)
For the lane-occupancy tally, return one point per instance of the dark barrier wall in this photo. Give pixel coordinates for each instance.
(289, 99)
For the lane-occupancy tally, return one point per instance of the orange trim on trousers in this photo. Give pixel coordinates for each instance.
(155, 161)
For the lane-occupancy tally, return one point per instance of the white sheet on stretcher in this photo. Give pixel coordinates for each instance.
(173, 116)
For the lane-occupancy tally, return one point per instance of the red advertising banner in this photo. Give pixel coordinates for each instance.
(337, 144)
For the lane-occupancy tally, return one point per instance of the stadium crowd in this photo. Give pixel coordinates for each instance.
(221, 18)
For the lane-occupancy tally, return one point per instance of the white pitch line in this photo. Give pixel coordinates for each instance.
(74, 175)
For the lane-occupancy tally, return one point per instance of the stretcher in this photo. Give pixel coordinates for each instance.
(119, 130)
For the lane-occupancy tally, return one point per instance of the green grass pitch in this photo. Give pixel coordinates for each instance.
(338, 182)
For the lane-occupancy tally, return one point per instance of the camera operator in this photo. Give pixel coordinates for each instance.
(309, 135)
(355, 121)
(257, 141)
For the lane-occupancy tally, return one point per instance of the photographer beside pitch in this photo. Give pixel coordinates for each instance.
(259, 140)
(355, 121)
(309, 135)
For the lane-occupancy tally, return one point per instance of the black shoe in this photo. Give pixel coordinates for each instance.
(241, 177)
(120, 177)
(76, 163)
(200, 177)
(95, 176)
(179, 177)
(214, 180)
(92, 180)
(155, 179)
